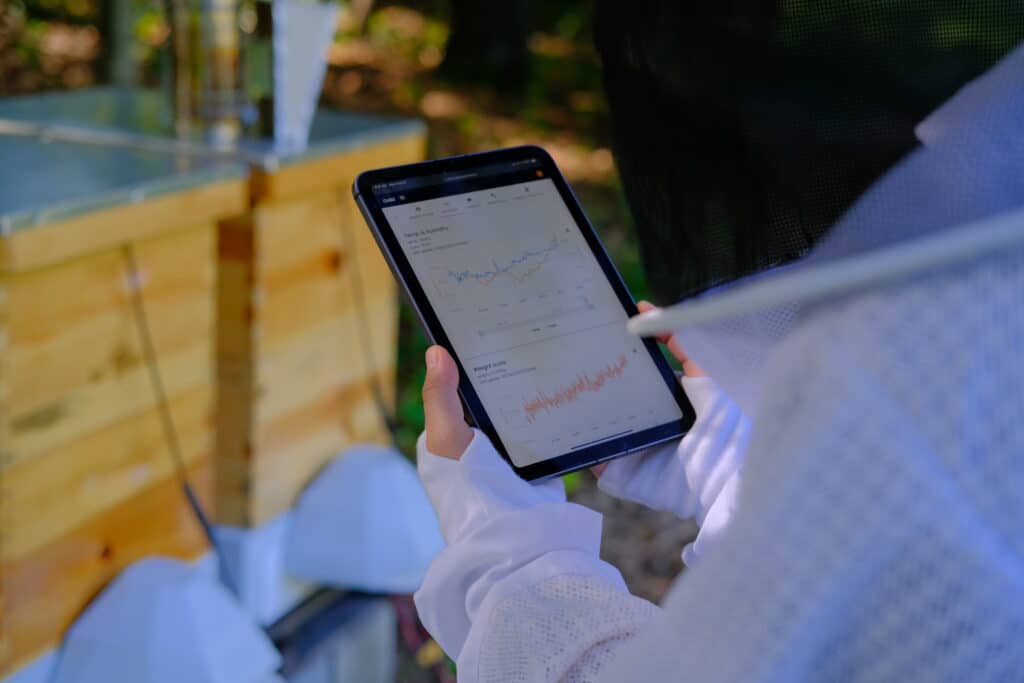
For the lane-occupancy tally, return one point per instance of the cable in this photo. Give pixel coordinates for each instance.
(164, 407)
(359, 299)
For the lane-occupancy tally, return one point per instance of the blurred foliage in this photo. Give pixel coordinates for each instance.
(47, 44)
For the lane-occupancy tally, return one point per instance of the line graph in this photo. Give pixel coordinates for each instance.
(538, 325)
(486, 277)
(583, 384)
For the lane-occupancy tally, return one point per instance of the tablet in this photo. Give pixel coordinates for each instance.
(505, 271)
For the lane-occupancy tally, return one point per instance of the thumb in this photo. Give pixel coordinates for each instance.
(448, 435)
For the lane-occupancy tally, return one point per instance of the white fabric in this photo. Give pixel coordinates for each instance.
(370, 498)
(512, 543)
(879, 531)
(485, 511)
(697, 477)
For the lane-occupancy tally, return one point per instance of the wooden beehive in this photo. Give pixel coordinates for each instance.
(86, 477)
(293, 381)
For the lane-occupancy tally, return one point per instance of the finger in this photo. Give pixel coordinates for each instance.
(690, 369)
(598, 470)
(644, 306)
(447, 431)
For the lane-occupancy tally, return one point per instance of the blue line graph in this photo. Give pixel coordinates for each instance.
(488, 276)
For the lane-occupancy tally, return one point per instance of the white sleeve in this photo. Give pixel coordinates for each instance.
(696, 477)
(520, 592)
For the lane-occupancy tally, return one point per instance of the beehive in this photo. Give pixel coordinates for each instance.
(87, 483)
(294, 382)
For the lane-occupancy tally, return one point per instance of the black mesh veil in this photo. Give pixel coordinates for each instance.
(744, 129)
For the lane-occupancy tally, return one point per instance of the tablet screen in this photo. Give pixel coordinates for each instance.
(531, 315)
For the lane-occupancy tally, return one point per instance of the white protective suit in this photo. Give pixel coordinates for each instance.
(875, 531)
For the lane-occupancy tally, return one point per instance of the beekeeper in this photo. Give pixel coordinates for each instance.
(861, 517)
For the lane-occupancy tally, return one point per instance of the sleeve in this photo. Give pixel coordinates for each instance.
(520, 592)
(520, 589)
(696, 477)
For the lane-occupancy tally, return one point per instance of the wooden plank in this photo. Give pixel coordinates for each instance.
(300, 339)
(293, 448)
(323, 409)
(65, 240)
(49, 495)
(323, 217)
(336, 171)
(291, 311)
(278, 252)
(303, 282)
(5, 459)
(328, 356)
(235, 373)
(300, 349)
(235, 291)
(298, 280)
(349, 408)
(288, 349)
(297, 378)
(233, 436)
(74, 324)
(47, 589)
(105, 401)
(75, 357)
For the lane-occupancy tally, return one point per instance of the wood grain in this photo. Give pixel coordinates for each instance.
(101, 403)
(48, 496)
(65, 240)
(75, 363)
(86, 477)
(295, 446)
(5, 459)
(236, 348)
(292, 372)
(329, 355)
(48, 588)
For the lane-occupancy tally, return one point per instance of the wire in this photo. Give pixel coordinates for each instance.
(164, 407)
(359, 299)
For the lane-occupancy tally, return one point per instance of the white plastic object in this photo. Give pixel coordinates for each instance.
(364, 523)
(303, 32)
(256, 569)
(161, 621)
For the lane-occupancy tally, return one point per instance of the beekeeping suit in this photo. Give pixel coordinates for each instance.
(857, 465)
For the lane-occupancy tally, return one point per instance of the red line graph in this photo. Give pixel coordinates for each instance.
(583, 384)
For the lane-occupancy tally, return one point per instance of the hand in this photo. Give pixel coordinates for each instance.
(447, 433)
(690, 369)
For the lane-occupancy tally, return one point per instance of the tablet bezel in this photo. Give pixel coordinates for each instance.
(402, 269)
